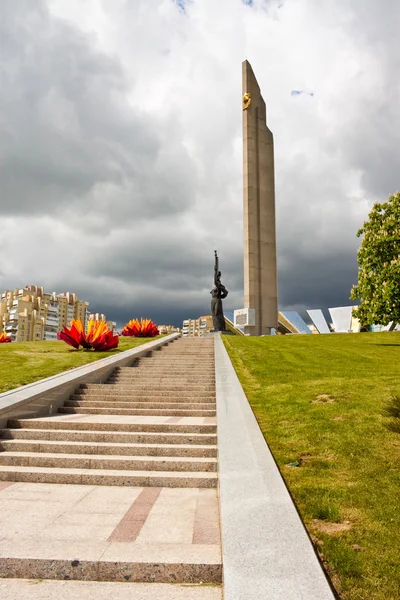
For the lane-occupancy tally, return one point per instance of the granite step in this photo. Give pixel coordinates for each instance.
(109, 437)
(195, 402)
(93, 461)
(116, 571)
(133, 411)
(146, 383)
(52, 589)
(103, 425)
(176, 362)
(115, 449)
(174, 373)
(142, 381)
(178, 365)
(107, 389)
(131, 380)
(108, 477)
(182, 359)
(185, 352)
(118, 402)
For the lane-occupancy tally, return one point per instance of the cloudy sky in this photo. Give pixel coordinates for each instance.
(121, 151)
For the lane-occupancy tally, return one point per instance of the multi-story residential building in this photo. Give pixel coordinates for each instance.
(70, 307)
(29, 314)
(197, 327)
(167, 329)
(102, 317)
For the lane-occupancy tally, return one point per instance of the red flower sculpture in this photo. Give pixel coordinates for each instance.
(4, 338)
(98, 336)
(142, 328)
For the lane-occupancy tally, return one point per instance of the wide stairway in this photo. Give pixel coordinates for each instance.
(141, 453)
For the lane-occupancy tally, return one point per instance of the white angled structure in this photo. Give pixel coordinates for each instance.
(317, 317)
(341, 317)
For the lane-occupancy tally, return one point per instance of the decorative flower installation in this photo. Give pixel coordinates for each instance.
(98, 336)
(142, 328)
(4, 338)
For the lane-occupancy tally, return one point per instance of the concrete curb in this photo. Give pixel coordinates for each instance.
(44, 397)
(265, 548)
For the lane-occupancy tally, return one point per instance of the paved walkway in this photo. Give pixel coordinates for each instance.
(140, 452)
(119, 494)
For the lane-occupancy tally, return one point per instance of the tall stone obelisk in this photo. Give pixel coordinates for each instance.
(260, 272)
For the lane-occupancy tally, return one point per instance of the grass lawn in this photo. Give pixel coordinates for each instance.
(318, 400)
(26, 362)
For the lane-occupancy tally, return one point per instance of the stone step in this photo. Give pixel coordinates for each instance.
(177, 384)
(108, 477)
(131, 392)
(176, 362)
(106, 388)
(144, 385)
(185, 352)
(54, 423)
(95, 402)
(126, 463)
(52, 589)
(141, 381)
(67, 410)
(158, 439)
(148, 363)
(152, 373)
(127, 449)
(195, 402)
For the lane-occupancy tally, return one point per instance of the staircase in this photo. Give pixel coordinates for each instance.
(149, 450)
(150, 426)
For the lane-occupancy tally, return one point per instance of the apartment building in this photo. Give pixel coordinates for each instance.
(197, 327)
(167, 329)
(30, 314)
(101, 317)
(70, 307)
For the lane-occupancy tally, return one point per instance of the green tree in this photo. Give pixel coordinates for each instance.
(378, 286)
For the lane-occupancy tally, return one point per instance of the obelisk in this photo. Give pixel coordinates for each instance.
(260, 272)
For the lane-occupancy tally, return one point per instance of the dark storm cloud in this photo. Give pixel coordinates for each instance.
(67, 130)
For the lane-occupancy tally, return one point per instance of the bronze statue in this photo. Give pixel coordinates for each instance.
(218, 293)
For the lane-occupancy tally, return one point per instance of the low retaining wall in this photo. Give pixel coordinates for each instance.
(44, 397)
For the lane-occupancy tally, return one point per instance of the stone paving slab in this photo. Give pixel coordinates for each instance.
(89, 532)
(28, 589)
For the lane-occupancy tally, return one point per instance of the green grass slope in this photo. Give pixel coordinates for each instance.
(318, 400)
(26, 362)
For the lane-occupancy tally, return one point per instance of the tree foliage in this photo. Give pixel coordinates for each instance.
(378, 286)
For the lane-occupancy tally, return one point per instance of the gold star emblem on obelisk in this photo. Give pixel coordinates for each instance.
(246, 100)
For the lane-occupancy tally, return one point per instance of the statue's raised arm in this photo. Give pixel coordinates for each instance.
(216, 268)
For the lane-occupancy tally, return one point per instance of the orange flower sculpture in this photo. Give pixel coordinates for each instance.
(142, 328)
(98, 336)
(4, 338)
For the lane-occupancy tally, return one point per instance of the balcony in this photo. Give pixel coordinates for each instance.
(50, 336)
(51, 322)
